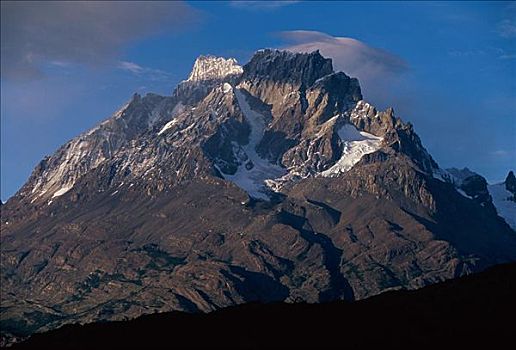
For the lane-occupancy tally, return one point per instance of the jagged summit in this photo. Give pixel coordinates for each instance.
(273, 181)
(510, 183)
(283, 65)
(207, 73)
(211, 68)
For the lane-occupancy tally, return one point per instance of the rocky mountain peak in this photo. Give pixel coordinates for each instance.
(460, 174)
(212, 68)
(275, 180)
(510, 182)
(510, 185)
(207, 73)
(285, 66)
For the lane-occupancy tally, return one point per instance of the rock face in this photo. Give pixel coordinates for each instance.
(214, 68)
(461, 174)
(510, 184)
(270, 182)
(207, 73)
(504, 199)
(499, 198)
(476, 187)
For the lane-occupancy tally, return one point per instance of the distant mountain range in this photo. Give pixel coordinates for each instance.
(270, 182)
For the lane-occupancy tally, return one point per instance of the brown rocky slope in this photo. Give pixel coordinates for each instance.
(237, 189)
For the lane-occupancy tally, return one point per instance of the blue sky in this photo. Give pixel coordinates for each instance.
(449, 68)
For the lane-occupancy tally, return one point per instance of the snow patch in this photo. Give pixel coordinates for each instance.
(227, 88)
(505, 207)
(254, 174)
(356, 145)
(464, 194)
(167, 126)
(62, 191)
(179, 108)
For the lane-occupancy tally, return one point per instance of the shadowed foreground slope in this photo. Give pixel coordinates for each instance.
(475, 310)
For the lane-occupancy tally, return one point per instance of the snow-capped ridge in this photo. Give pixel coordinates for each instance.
(212, 67)
(317, 151)
(505, 207)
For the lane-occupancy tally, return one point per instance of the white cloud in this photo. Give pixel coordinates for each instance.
(131, 67)
(144, 72)
(349, 55)
(500, 153)
(377, 70)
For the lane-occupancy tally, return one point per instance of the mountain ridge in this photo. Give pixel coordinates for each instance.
(217, 195)
(475, 308)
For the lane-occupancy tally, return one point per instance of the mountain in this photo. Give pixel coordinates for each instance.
(468, 312)
(499, 198)
(274, 181)
(504, 198)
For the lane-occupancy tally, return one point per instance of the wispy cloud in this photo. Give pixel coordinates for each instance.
(508, 56)
(507, 28)
(349, 55)
(144, 72)
(500, 153)
(377, 69)
(466, 53)
(85, 32)
(131, 67)
(261, 5)
(496, 52)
